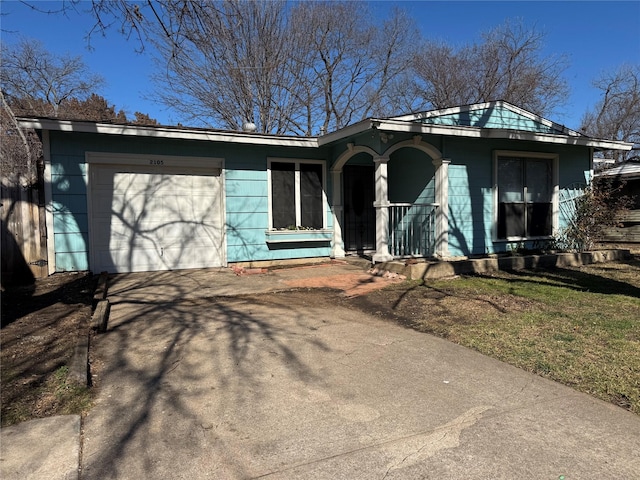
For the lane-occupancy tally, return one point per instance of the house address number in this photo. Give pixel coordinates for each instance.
(156, 162)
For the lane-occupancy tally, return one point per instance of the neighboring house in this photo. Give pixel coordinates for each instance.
(462, 181)
(627, 176)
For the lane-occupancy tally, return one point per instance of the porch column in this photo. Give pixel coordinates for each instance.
(382, 210)
(442, 212)
(337, 248)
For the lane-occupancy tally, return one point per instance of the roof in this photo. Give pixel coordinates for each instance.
(495, 120)
(491, 120)
(629, 169)
(161, 131)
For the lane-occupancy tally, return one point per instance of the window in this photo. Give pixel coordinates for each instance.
(297, 195)
(525, 188)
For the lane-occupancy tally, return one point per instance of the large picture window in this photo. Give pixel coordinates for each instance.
(297, 198)
(524, 197)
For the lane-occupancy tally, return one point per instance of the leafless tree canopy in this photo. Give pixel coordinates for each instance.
(617, 115)
(31, 73)
(309, 66)
(227, 64)
(507, 65)
(287, 68)
(35, 82)
(351, 62)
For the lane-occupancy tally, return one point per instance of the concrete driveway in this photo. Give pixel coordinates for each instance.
(288, 385)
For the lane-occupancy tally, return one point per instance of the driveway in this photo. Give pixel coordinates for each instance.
(265, 382)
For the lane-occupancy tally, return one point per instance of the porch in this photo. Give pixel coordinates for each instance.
(411, 222)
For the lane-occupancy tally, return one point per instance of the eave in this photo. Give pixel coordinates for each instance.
(179, 133)
(403, 126)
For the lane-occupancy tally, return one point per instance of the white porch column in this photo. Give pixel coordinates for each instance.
(382, 210)
(442, 212)
(337, 249)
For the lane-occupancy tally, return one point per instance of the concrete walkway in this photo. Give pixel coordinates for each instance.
(298, 385)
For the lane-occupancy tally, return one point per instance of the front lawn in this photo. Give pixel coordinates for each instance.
(578, 326)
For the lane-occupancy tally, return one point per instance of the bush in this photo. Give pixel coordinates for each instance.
(597, 210)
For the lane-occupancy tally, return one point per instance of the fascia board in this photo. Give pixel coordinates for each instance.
(496, 133)
(348, 131)
(163, 132)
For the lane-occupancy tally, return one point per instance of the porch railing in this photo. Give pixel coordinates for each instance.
(412, 229)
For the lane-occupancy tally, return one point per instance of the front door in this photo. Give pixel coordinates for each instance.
(359, 213)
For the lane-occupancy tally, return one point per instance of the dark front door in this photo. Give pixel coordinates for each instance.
(359, 214)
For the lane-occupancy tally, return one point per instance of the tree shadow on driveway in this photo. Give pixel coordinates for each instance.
(171, 371)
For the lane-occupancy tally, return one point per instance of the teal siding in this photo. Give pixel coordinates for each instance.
(410, 174)
(76, 204)
(411, 177)
(471, 208)
(65, 184)
(71, 222)
(470, 196)
(245, 187)
(72, 262)
(493, 117)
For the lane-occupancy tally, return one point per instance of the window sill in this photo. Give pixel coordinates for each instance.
(298, 236)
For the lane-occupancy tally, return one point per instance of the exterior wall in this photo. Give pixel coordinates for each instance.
(245, 186)
(491, 117)
(411, 177)
(471, 188)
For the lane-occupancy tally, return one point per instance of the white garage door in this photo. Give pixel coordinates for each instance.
(155, 218)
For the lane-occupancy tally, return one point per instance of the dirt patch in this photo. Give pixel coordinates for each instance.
(350, 284)
(40, 325)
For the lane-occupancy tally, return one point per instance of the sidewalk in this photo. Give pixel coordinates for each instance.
(41, 449)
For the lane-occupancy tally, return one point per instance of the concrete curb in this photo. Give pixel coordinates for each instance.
(444, 269)
(79, 366)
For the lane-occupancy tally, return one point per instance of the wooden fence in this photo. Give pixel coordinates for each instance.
(628, 231)
(24, 235)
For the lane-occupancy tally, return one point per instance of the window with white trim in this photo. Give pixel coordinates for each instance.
(525, 186)
(296, 194)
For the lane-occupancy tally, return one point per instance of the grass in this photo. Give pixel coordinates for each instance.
(70, 396)
(56, 396)
(577, 326)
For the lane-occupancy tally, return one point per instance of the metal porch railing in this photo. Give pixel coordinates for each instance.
(412, 229)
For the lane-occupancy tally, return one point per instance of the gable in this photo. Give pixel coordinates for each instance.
(494, 115)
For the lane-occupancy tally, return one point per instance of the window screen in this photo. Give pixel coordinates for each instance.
(283, 194)
(311, 195)
(524, 197)
(297, 195)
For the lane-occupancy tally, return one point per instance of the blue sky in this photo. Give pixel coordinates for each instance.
(596, 37)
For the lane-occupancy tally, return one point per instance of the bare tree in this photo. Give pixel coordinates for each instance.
(35, 82)
(228, 63)
(351, 61)
(30, 73)
(288, 68)
(617, 115)
(507, 65)
(19, 148)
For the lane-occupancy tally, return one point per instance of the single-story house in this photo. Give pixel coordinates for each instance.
(462, 181)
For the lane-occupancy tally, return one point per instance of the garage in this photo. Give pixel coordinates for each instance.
(151, 213)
